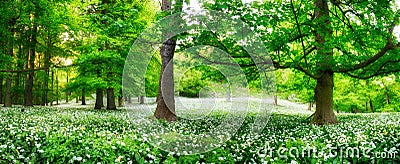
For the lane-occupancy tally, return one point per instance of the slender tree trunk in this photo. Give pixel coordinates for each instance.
(387, 97)
(323, 91)
(120, 99)
(99, 99)
(228, 94)
(47, 58)
(31, 74)
(111, 99)
(16, 84)
(8, 100)
(18, 80)
(275, 100)
(45, 88)
(366, 106)
(57, 95)
(129, 99)
(83, 97)
(67, 92)
(310, 104)
(371, 106)
(141, 99)
(52, 88)
(8, 97)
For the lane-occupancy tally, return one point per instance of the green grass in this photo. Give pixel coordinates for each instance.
(41, 135)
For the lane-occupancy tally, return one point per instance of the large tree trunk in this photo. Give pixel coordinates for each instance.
(28, 90)
(111, 99)
(324, 101)
(323, 91)
(165, 99)
(99, 99)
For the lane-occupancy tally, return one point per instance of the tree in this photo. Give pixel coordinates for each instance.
(323, 38)
(165, 99)
(110, 27)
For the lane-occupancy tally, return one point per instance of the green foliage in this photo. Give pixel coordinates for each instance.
(152, 76)
(291, 82)
(191, 83)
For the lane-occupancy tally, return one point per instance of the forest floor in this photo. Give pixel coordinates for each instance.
(282, 104)
(71, 133)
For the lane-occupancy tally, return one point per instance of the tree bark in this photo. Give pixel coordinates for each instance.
(275, 100)
(8, 99)
(47, 58)
(324, 101)
(141, 99)
(67, 92)
(31, 63)
(99, 99)
(228, 93)
(129, 99)
(83, 97)
(111, 99)
(120, 98)
(323, 92)
(57, 95)
(371, 106)
(8, 96)
(165, 99)
(387, 97)
(17, 85)
(52, 88)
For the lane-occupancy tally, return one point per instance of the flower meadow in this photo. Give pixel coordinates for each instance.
(58, 135)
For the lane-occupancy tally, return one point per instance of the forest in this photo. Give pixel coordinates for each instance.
(199, 81)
